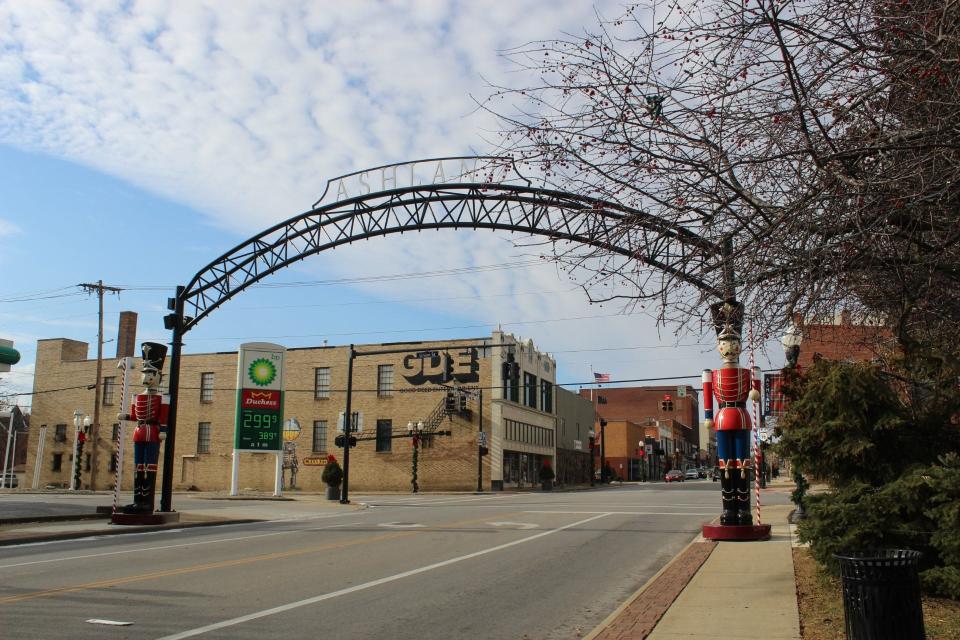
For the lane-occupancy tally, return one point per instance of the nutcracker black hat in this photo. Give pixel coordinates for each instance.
(727, 319)
(154, 354)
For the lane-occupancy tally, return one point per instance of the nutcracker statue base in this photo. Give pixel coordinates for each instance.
(736, 532)
(158, 517)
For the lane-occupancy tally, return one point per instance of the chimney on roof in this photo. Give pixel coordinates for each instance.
(127, 334)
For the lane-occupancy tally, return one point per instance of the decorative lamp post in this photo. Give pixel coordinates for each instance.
(415, 429)
(791, 341)
(791, 345)
(81, 423)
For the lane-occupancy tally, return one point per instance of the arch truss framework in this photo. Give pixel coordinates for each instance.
(518, 207)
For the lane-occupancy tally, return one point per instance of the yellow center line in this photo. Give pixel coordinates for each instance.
(113, 582)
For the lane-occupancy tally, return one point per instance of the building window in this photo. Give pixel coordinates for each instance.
(60, 433)
(546, 396)
(384, 431)
(86, 462)
(206, 387)
(666, 405)
(113, 463)
(385, 381)
(530, 390)
(57, 462)
(109, 385)
(116, 431)
(321, 384)
(203, 437)
(319, 436)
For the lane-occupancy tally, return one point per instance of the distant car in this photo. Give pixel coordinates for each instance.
(674, 476)
(702, 472)
(691, 474)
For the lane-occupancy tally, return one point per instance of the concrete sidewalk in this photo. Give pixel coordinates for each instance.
(196, 510)
(735, 590)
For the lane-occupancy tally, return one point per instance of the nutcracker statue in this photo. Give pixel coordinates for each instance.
(149, 409)
(731, 386)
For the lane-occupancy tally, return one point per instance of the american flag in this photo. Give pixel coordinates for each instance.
(601, 377)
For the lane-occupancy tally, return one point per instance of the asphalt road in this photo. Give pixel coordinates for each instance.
(510, 565)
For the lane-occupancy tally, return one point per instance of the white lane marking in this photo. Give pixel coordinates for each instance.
(519, 525)
(416, 501)
(400, 525)
(367, 585)
(159, 548)
(633, 513)
(112, 623)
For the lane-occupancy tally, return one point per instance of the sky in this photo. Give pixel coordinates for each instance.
(140, 140)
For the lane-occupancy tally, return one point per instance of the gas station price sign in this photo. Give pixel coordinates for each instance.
(259, 425)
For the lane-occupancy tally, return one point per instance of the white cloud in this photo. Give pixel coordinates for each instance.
(245, 109)
(7, 228)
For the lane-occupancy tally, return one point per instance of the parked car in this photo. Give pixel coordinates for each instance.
(715, 474)
(11, 480)
(691, 474)
(674, 475)
(702, 472)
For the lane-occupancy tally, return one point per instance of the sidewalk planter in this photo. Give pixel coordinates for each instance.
(881, 594)
(333, 492)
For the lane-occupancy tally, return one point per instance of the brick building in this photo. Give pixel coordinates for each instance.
(839, 338)
(575, 423)
(666, 418)
(389, 391)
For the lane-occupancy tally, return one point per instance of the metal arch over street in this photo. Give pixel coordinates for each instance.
(490, 194)
(558, 215)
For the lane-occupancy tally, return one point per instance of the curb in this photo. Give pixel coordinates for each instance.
(63, 518)
(76, 535)
(609, 620)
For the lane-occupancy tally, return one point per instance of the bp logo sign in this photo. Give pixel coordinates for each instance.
(262, 372)
(259, 421)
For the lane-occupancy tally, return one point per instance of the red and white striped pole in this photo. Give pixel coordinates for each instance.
(126, 365)
(757, 470)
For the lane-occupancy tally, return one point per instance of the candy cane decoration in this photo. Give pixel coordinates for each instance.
(757, 463)
(126, 365)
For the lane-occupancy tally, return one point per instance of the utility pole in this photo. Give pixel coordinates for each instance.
(99, 287)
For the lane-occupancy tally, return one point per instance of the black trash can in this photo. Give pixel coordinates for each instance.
(881, 594)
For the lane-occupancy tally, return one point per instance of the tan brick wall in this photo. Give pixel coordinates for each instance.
(449, 464)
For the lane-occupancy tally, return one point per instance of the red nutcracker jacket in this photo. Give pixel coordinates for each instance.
(730, 387)
(151, 412)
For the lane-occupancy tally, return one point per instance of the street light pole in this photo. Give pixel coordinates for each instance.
(791, 341)
(347, 429)
(480, 440)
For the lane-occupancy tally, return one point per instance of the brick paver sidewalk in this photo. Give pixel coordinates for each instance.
(637, 619)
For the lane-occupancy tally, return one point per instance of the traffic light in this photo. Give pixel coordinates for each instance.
(338, 441)
(592, 443)
(462, 402)
(447, 362)
(450, 402)
(484, 451)
(603, 423)
(511, 369)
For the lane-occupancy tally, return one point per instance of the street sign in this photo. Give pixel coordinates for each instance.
(314, 461)
(648, 449)
(681, 392)
(482, 439)
(259, 414)
(427, 354)
(356, 425)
